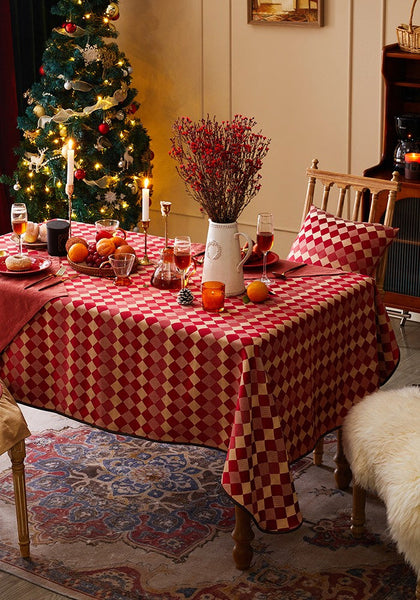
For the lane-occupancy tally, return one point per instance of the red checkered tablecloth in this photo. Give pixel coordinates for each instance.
(260, 381)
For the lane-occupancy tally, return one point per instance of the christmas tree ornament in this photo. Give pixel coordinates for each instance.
(103, 128)
(81, 86)
(80, 174)
(28, 97)
(90, 53)
(41, 70)
(185, 297)
(133, 187)
(121, 164)
(39, 110)
(133, 108)
(16, 187)
(67, 85)
(70, 27)
(130, 69)
(112, 12)
(120, 115)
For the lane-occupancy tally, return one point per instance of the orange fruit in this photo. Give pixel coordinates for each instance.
(118, 241)
(78, 252)
(257, 291)
(105, 247)
(124, 249)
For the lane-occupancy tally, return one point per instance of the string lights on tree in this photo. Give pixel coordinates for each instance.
(84, 93)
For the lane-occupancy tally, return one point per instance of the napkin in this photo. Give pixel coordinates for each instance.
(307, 271)
(18, 306)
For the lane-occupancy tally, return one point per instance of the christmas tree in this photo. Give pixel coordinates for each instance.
(83, 101)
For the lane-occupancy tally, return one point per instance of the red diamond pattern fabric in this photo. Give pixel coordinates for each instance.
(334, 242)
(261, 382)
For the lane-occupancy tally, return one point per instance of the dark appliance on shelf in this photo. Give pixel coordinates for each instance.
(408, 132)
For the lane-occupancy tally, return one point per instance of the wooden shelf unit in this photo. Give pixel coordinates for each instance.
(401, 72)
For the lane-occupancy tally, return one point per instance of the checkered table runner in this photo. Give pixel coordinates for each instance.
(260, 381)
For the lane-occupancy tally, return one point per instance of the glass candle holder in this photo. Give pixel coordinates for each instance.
(213, 296)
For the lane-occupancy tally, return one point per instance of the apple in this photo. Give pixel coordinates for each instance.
(103, 233)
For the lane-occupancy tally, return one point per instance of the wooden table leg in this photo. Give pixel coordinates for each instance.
(318, 452)
(17, 455)
(243, 536)
(358, 517)
(342, 473)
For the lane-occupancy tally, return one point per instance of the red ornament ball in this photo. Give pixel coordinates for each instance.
(41, 70)
(103, 128)
(70, 27)
(133, 108)
(80, 174)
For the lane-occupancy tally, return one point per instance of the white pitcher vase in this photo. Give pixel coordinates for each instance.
(222, 259)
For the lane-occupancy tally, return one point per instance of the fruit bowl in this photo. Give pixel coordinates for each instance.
(105, 271)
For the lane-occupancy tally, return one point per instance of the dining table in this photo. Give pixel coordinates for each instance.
(262, 382)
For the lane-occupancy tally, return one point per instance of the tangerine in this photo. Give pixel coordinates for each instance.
(105, 247)
(257, 291)
(124, 249)
(118, 241)
(78, 252)
(74, 240)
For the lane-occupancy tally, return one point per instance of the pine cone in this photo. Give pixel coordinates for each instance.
(185, 297)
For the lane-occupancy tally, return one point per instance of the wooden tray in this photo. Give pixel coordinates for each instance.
(95, 271)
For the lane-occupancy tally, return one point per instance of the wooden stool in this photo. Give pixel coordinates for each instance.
(13, 431)
(381, 437)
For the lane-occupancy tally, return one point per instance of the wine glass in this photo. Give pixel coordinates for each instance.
(265, 239)
(182, 255)
(19, 219)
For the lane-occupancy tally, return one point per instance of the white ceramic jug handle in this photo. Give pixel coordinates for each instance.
(249, 252)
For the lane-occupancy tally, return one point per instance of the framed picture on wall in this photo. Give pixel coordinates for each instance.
(286, 12)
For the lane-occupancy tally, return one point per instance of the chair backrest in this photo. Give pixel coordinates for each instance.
(355, 193)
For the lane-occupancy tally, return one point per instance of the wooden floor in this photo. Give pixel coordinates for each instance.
(408, 372)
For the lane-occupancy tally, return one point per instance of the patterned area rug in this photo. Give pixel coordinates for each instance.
(115, 518)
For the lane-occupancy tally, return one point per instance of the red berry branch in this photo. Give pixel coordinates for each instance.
(220, 163)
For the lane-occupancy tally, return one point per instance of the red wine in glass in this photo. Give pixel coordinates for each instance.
(182, 260)
(265, 238)
(182, 255)
(265, 241)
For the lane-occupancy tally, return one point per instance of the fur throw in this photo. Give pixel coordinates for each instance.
(381, 437)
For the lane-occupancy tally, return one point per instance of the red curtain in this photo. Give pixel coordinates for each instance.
(9, 134)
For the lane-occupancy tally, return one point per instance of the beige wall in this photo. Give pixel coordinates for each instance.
(316, 92)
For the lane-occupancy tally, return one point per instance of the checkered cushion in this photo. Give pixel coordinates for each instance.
(334, 242)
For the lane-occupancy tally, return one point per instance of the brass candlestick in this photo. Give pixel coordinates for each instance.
(145, 260)
(165, 209)
(69, 192)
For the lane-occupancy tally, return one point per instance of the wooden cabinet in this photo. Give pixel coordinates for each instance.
(401, 71)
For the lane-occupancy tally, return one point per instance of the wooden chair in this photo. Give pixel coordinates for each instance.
(13, 431)
(356, 195)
